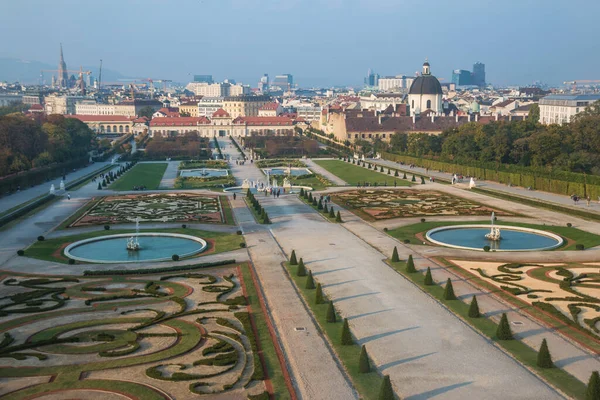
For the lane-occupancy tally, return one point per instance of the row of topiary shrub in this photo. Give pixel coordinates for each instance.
(381, 169)
(113, 176)
(142, 271)
(319, 205)
(263, 217)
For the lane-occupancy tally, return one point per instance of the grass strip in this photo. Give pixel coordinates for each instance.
(142, 174)
(354, 174)
(227, 211)
(519, 350)
(367, 384)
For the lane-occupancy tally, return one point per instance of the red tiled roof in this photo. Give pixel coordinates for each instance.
(36, 107)
(141, 120)
(100, 118)
(179, 121)
(264, 121)
(220, 113)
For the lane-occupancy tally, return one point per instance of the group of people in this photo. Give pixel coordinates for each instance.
(142, 187)
(374, 184)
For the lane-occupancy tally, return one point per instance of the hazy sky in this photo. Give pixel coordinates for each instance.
(320, 42)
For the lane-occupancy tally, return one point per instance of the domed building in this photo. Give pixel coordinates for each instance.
(425, 93)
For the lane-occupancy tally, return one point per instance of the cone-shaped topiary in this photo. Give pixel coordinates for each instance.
(301, 268)
(396, 173)
(503, 332)
(320, 204)
(404, 175)
(302, 192)
(331, 213)
(544, 359)
(474, 308)
(293, 260)
(346, 335)
(389, 172)
(449, 291)
(413, 179)
(386, 392)
(331, 317)
(338, 217)
(428, 278)
(99, 186)
(266, 219)
(395, 257)
(422, 181)
(314, 201)
(325, 209)
(319, 295)
(593, 388)
(380, 169)
(310, 198)
(104, 183)
(364, 366)
(310, 282)
(410, 265)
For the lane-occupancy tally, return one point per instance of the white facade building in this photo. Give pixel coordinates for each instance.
(390, 83)
(559, 109)
(209, 105)
(425, 93)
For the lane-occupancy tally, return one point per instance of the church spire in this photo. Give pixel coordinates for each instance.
(426, 70)
(63, 78)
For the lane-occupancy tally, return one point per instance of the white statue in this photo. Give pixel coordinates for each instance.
(246, 184)
(62, 185)
(471, 183)
(52, 190)
(287, 183)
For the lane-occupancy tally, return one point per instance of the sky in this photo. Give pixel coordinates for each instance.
(320, 42)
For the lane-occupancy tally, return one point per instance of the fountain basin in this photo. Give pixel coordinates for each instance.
(513, 238)
(295, 171)
(203, 173)
(154, 247)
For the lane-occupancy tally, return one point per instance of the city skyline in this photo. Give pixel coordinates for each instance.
(321, 43)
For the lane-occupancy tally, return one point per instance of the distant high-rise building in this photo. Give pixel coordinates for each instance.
(263, 84)
(478, 77)
(372, 79)
(63, 77)
(203, 78)
(461, 77)
(285, 81)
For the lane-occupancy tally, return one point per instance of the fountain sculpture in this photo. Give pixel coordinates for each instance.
(494, 232)
(132, 243)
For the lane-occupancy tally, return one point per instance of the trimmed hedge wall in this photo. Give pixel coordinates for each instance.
(157, 270)
(24, 210)
(560, 182)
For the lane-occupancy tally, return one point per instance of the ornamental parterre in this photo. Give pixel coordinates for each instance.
(173, 207)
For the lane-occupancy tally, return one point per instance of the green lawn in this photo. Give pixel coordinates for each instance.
(353, 174)
(577, 236)
(317, 182)
(268, 348)
(46, 249)
(367, 384)
(142, 174)
(519, 350)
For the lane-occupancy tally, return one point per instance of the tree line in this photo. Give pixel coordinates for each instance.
(27, 143)
(573, 147)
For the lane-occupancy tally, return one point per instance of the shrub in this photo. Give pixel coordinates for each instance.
(593, 388)
(320, 204)
(486, 248)
(242, 245)
(422, 219)
(71, 261)
(301, 268)
(293, 260)
(99, 186)
(40, 238)
(302, 192)
(428, 278)
(544, 359)
(346, 335)
(395, 257)
(385, 229)
(569, 224)
(314, 201)
(422, 181)
(579, 246)
(404, 176)
(331, 317)
(414, 179)
(238, 232)
(310, 197)
(364, 366)
(389, 172)
(474, 308)
(175, 257)
(183, 226)
(325, 209)
(406, 241)
(21, 252)
(319, 295)
(396, 173)
(106, 227)
(331, 212)
(380, 169)
(410, 265)
(338, 217)
(503, 331)
(449, 291)
(310, 282)
(266, 219)
(386, 392)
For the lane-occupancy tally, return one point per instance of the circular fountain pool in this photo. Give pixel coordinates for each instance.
(153, 247)
(514, 238)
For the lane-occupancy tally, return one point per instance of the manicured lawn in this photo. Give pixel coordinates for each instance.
(574, 234)
(268, 348)
(353, 174)
(558, 377)
(198, 183)
(317, 182)
(46, 249)
(367, 384)
(142, 174)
